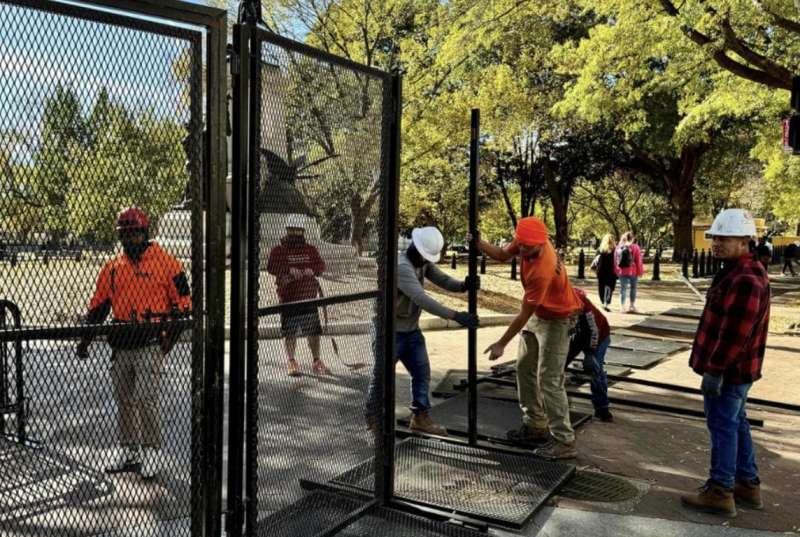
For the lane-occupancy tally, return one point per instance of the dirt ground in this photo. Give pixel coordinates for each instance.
(667, 455)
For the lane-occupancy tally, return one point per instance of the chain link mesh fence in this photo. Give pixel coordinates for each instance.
(319, 241)
(99, 112)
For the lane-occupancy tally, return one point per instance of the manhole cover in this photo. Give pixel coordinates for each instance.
(598, 487)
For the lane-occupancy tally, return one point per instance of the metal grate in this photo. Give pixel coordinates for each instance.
(489, 485)
(389, 523)
(311, 515)
(598, 487)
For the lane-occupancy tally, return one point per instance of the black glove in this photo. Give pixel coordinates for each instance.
(466, 319)
(468, 280)
(711, 385)
(82, 350)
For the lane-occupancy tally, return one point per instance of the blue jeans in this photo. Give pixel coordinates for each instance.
(410, 349)
(624, 283)
(412, 352)
(732, 453)
(593, 364)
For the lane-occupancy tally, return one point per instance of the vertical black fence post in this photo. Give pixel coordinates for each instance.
(472, 332)
(702, 263)
(685, 267)
(695, 272)
(240, 69)
(4, 399)
(582, 265)
(453, 262)
(385, 486)
(657, 266)
(709, 264)
(514, 268)
(483, 263)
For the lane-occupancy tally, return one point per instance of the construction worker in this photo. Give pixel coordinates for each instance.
(414, 265)
(728, 352)
(547, 318)
(139, 285)
(296, 264)
(592, 338)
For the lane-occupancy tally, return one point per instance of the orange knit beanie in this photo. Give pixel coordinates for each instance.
(531, 231)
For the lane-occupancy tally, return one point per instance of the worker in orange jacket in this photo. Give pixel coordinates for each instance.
(139, 285)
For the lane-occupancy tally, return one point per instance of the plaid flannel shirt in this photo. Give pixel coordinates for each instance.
(732, 333)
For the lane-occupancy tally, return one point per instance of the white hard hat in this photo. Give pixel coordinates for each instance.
(429, 242)
(296, 221)
(732, 223)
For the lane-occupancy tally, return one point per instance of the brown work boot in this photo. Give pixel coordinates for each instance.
(712, 498)
(747, 493)
(557, 451)
(422, 423)
(528, 435)
(294, 368)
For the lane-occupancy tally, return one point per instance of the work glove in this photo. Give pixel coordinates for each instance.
(82, 350)
(468, 281)
(466, 319)
(711, 385)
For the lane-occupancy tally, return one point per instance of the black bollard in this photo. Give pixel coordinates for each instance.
(709, 264)
(453, 261)
(685, 267)
(483, 264)
(702, 263)
(514, 268)
(581, 265)
(695, 272)
(14, 259)
(657, 266)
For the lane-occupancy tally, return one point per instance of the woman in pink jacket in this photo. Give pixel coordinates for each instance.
(629, 267)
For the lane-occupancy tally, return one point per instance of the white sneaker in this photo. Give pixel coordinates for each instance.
(151, 463)
(126, 460)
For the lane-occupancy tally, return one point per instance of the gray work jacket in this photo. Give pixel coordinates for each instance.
(411, 296)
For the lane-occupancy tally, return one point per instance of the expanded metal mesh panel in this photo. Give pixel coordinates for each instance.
(488, 484)
(322, 143)
(98, 113)
(313, 514)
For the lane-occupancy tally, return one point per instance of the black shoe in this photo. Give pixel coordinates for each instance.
(603, 414)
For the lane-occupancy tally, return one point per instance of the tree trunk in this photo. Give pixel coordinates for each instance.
(559, 196)
(680, 181)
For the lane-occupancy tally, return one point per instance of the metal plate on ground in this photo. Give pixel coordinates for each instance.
(611, 369)
(496, 487)
(686, 313)
(311, 515)
(389, 523)
(495, 417)
(647, 344)
(453, 377)
(634, 359)
(666, 325)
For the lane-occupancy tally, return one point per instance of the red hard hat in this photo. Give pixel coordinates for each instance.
(131, 219)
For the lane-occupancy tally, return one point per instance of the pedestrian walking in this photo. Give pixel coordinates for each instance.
(604, 268)
(547, 318)
(141, 283)
(296, 265)
(728, 352)
(629, 267)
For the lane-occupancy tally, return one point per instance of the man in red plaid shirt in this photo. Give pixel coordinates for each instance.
(728, 352)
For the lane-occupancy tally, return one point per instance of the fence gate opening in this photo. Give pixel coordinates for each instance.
(105, 321)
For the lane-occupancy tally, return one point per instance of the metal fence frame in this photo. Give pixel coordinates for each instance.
(207, 403)
(245, 61)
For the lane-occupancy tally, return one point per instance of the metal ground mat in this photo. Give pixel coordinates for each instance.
(685, 313)
(495, 417)
(634, 359)
(672, 326)
(492, 486)
(321, 512)
(646, 344)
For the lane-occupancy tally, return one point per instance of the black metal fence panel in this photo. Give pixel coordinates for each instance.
(318, 240)
(101, 156)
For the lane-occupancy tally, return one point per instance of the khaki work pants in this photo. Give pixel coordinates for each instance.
(136, 375)
(542, 355)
